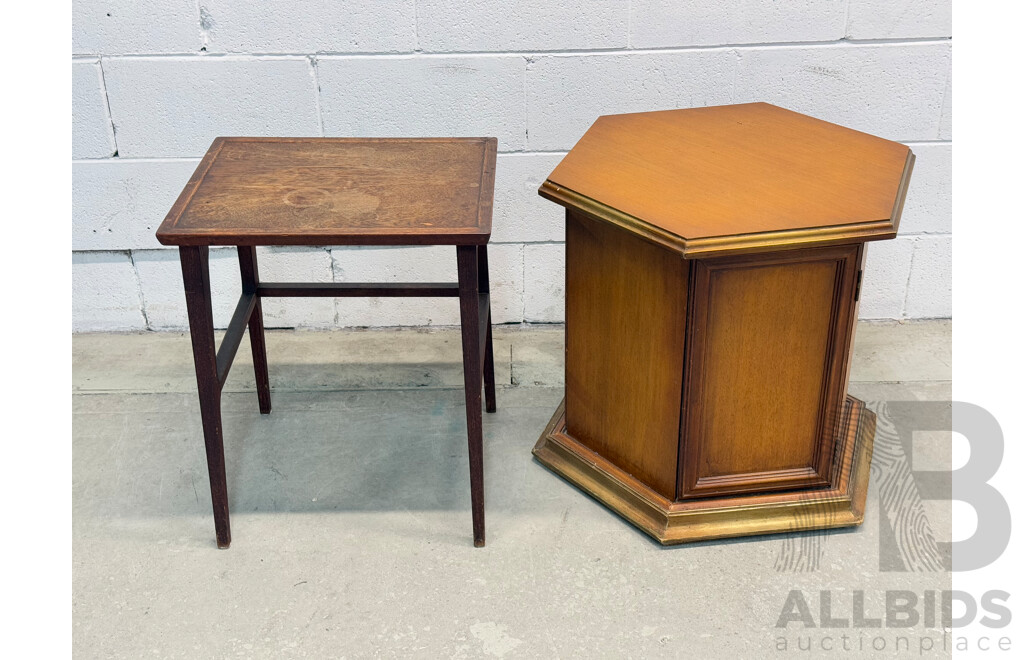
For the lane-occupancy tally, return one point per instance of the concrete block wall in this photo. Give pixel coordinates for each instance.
(154, 81)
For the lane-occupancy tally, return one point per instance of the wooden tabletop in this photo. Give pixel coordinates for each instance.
(337, 191)
(735, 178)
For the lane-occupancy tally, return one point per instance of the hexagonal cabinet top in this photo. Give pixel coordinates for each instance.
(735, 178)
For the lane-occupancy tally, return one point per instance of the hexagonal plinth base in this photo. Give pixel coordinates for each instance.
(697, 520)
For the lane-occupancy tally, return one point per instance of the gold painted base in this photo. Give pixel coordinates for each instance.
(715, 518)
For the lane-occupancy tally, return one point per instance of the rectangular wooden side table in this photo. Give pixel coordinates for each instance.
(333, 191)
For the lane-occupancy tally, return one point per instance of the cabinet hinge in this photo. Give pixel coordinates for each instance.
(856, 293)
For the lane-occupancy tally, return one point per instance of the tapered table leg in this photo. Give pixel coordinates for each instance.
(485, 287)
(195, 270)
(250, 282)
(469, 304)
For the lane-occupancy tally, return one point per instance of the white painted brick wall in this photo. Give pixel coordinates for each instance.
(946, 123)
(119, 203)
(165, 106)
(105, 292)
(673, 23)
(883, 293)
(153, 82)
(930, 288)
(520, 214)
(524, 25)
(544, 283)
(929, 205)
(895, 19)
(891, 90)
(566, 93)
(92, 135)
(118, 27)
(309, 26)
(417, 96)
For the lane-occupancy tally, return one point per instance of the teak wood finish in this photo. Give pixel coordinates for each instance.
(627, 414)
(334, 191)
(713, 267)
(739, 178)
(769, 340)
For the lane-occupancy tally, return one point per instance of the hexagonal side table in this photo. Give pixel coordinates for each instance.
(713, 269)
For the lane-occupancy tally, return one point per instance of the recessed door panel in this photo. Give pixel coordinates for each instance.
(765, 382)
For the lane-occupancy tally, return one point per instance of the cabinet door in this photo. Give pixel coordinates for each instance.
(768, 343)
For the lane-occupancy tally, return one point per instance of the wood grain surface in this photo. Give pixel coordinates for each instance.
(769, 340)
(726, 178)
(713, 262)
(322, 191)
(625, 326)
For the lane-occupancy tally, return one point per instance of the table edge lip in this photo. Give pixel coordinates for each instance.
(168, 233)
(867, 230)
(347, 138)
(212, 238)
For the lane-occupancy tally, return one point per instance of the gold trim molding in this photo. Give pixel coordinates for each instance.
(723, 517)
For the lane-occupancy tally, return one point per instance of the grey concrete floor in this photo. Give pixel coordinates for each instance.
(351, 525)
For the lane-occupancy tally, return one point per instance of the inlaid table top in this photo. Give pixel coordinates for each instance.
(734, 178)
(340, 191)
